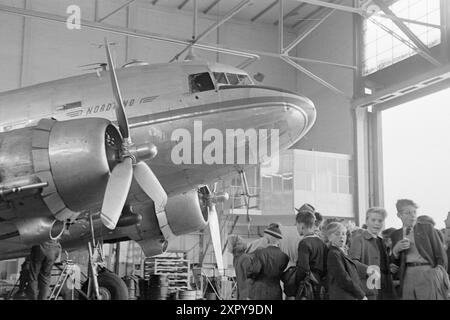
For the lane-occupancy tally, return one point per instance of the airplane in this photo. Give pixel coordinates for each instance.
(69, 150)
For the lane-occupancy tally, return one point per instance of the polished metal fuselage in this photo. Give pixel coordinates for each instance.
(157, 102)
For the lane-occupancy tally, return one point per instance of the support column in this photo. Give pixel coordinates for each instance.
(361, 167)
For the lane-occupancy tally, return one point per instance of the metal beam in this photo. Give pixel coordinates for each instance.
(183, 4)
(314, 61)
(292, 12)
(194, 28)
(395, 18)
(116, 10)
(423, 49)
(332, 6)
(280, 27)
(407, 43)
(213, 27)
(314, 77)
(308, 17)
(244, 64)
(273, 4)
(122, 31)
(212, 5)
(363, 12)
(308, 32)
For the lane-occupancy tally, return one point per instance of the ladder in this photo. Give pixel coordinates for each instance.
(67, 272)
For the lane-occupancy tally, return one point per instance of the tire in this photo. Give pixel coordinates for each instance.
(111, 287)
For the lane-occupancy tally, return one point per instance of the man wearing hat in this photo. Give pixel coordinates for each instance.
(267, 267)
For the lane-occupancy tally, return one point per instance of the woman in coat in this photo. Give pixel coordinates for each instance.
(241, 264)
(343, 277)
(267, 267)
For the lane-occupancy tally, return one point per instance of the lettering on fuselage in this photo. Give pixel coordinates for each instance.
(105, 107)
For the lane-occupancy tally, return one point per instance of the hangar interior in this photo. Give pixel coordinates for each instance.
(352, 58)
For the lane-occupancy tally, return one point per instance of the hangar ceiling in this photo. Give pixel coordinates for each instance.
(301, 17)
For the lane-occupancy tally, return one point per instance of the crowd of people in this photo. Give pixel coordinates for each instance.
(338, 261)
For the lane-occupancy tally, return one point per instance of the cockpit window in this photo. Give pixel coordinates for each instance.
(200, 82)
(233, 78)
(220, 78)
(244, 79)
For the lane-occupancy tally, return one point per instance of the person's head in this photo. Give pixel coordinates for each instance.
(306, 208)
(336, 234)
(387, 236)
(375, 217)
(319, 220)
(273, 234)
(423, 219)
(305, 222)
(407, 212)
(236, 244)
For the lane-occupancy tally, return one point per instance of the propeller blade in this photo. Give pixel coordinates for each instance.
(120, 109)
(147, 180)
(116, 193)
(214, 229)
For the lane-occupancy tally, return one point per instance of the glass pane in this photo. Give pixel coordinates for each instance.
(277, 184)
(200, 82)
(344, 185)
(220, 77)
(244, 79)
(233, 78)
(344, 167)
(381, 46)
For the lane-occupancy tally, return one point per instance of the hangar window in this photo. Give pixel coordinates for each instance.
(200, 82)
(385, 44)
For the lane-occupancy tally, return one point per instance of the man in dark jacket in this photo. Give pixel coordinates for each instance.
(267, 267)
(42, 259)
(312, 254)
(419, 252)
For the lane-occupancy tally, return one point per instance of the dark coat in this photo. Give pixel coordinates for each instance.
(311, 258)
(241, 264)
(364, 249)
(343, 277)
(266, 269)
(429, 244)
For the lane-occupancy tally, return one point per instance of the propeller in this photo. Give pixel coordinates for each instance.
(213, 221)
(130, 164)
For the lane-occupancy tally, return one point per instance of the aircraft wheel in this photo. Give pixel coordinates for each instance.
(112, 287)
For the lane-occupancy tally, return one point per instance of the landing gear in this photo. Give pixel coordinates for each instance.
(102, 284)
(111, 286)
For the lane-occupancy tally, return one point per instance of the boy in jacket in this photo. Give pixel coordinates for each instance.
(343, 277)
(369, 249)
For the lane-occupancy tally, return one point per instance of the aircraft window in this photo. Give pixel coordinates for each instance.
(200, 82)
(244, 79)
(233, 78)
(220, 78)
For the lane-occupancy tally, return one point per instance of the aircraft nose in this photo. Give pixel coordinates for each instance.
(300, 116)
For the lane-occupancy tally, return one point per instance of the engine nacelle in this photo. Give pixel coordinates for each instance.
(73, 158)
(185, 213)
(81, 154)
(37, 230)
